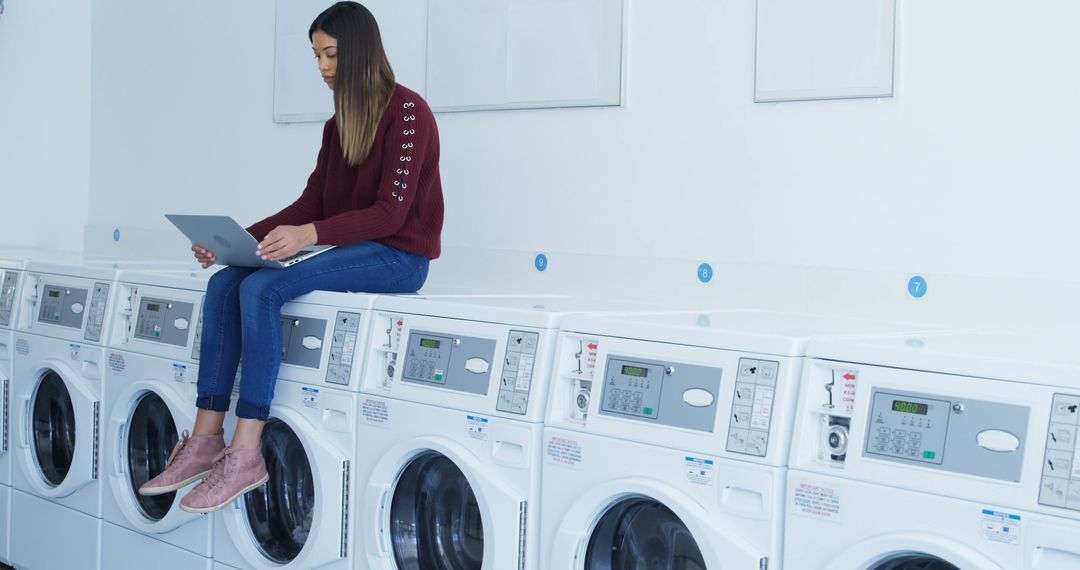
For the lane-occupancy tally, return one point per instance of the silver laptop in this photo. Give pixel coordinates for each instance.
(231, 243)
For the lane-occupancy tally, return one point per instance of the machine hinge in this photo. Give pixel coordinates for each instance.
(345, 475)
(523, 511)
(97, 421)
(7, 398)
(763, 564)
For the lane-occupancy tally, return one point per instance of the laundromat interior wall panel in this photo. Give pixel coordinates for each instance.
(963, 172)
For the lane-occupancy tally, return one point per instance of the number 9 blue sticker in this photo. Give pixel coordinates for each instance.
(704, 273)
(916, 286)
(541, 262)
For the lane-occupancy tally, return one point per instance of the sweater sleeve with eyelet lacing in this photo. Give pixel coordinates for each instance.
(394, 197)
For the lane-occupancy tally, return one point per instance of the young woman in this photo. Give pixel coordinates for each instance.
(375, 193)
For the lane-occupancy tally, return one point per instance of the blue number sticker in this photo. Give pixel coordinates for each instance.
(541, 262)
(116, 234)
(916, 286)
(704, 272)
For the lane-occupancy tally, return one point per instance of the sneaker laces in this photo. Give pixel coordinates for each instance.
(180, 448)
(217, 473)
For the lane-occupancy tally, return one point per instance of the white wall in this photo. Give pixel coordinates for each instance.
(44, 123)
(965, 171)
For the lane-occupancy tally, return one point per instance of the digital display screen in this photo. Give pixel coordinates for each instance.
(429, 343)
(636, 371)
(909, 407)
(153, 307)
(54, 293)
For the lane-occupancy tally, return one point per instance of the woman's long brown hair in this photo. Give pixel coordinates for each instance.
(364, 81)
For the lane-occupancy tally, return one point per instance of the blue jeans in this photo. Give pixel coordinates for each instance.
(242, 316)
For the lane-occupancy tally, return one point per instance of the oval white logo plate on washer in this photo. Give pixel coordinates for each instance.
(698, 398)
(477, 365)
(997, 440)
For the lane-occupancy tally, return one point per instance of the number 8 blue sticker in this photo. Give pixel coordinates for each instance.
(541, 262)
(704, 273)
(916, 286)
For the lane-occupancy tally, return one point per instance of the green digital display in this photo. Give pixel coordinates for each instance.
(909, 407)
(153, 307)
(636, 371)
(429, 343)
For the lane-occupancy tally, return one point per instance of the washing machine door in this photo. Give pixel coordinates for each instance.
(431, 504)
(56, 430)
(913, 561)
(640, 532)
(142, 432)
(297, 518)
(911, 551)
(627, 524)
(435, 519)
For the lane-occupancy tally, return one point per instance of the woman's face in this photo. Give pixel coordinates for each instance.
(325, 47)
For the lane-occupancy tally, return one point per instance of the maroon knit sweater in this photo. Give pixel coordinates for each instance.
(394, 197)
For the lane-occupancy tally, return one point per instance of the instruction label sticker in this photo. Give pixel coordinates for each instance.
(476, 427)
(700, 471)
(562, 451)
(75, 350)
(816, 501)
(22, 347)
(117, 362)
(1000, 526)
(310, 397)
(375, 412)
(179, 372)
(846, 380)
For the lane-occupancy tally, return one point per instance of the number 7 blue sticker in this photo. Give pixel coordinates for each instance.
(916, 286)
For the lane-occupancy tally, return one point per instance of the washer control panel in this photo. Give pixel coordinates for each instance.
(515, 382)
(461, 363)
(975, 437)
(1060, 484)
(164, 320)
(96, 319)
(908, 427)
(62, 306)
(342, 347)
(7, 296)
(669, 393)
(751, 407)
(302, 340)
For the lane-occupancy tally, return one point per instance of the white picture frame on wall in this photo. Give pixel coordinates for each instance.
(824, 49)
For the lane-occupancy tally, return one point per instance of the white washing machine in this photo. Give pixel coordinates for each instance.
(148, 399)
(305, 516)
(11, 274)
(450, 429)
(937, 453)
(667, 438)
(57, 368)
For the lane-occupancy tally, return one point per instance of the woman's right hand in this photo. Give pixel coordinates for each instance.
(204, 256)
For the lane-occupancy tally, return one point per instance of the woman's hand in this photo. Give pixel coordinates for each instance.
(285, 241)
(204, 256)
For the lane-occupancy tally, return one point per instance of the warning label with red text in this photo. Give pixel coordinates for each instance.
(562, 451)
(817, 501)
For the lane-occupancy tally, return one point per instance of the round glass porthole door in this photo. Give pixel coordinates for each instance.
(435, 521)
(914, 562)
(151, 437)
(639, 533)
(279, 513)
(54, 428)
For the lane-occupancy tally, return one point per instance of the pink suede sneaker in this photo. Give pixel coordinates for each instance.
(235, 472)
(190, 461)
